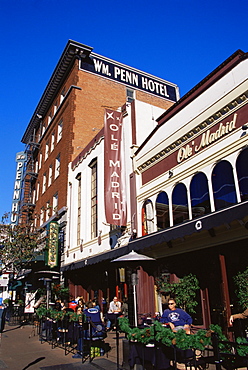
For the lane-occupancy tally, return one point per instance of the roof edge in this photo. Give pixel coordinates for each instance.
(72, 50)
(237, 57)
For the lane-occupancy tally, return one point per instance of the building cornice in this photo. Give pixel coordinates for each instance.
(196, 91)
(72, 51)
(218, 116)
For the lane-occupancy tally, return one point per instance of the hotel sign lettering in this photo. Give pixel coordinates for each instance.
(130, 77)
(20, 160)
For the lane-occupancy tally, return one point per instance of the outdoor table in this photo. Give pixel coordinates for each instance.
(113, 317)
(158, 356)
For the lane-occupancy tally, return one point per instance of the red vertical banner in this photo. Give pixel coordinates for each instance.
(114, 176)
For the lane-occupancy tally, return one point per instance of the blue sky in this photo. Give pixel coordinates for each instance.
(180, 40)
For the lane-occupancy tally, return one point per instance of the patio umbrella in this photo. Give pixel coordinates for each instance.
(131, 259)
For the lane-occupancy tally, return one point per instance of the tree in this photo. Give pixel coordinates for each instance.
(19, 244)
(184, 291)
(241, 281)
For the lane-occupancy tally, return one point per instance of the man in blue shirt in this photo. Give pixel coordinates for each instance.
(176, 317)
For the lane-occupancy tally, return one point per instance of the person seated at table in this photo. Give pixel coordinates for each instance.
(66, 307)
(114, 308)
(80, 305)
(176, 317)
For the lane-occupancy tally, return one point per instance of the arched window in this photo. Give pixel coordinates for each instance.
(223, 185)
(242, 172)
(199, 195)
(180, 204)
(147, 217)
(162, 211)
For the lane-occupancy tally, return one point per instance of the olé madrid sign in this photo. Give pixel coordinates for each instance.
(201, 141)
(52, 244)
(207, 138)
(20, 160)
(114, 178)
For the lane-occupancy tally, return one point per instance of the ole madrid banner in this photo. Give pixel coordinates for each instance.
(114, 179)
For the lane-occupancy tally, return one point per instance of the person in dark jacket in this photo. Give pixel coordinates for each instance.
(176, 317)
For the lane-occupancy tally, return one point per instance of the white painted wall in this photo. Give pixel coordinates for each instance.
(202, 107)
(226, 90)
(145, 121)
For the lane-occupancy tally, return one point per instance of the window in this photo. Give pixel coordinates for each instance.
(47, 211)
(37, 191)
(60, 130)
(223, 185)
(34, 196)
(130, 95)
(147, 217)
(52, 141)
(62, 95)
(42, 212)
(50, 175)
(79, 209)
(180, 204)
(36, 166)
(55, 108)
(199, 195)
(162, 211)
(44, 183)
(57, 166)
(47, 151)
(43, 129)
(242, 172)
(93, 167)
(55, 203)
(40, 161)
(49, 118)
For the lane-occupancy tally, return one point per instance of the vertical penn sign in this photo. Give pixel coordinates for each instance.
(114, 176)
(20, 160)
(52, 244)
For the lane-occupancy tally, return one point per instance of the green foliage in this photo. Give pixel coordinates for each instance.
(19, 245)
(7, 301)
(200, 340)
(242, 350)
(58, 315)
(60, 292)
(241, 281)
(165, 335)
(184, 291)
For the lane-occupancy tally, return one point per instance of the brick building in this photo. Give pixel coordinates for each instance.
(68, 116)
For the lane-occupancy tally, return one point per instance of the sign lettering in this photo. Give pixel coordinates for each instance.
(206, 139)
(131, 77)
(52, 244)
(114, 181)
(20, 159)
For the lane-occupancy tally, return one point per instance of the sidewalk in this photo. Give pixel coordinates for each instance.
(20, 349)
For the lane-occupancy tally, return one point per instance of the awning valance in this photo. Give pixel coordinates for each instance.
(208, 222)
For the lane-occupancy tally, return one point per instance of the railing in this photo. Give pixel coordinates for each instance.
(16, 316)
(83, 339)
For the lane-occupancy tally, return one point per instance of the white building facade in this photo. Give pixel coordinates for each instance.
(192, 187)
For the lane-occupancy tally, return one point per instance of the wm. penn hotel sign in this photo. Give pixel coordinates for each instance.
(129, 76)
